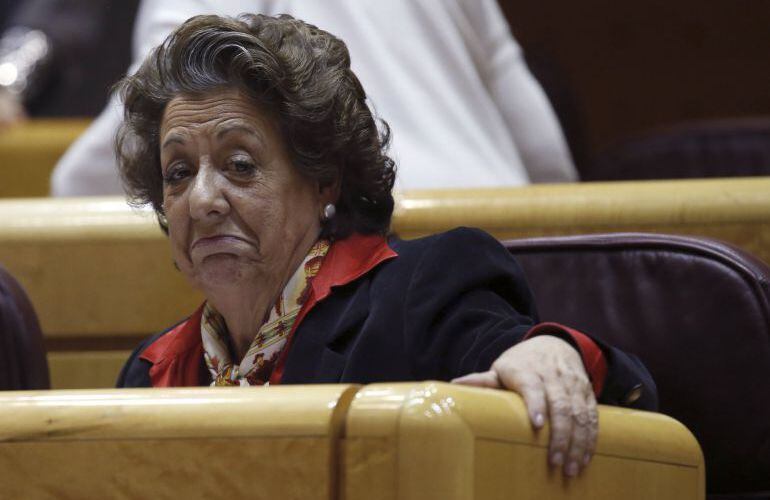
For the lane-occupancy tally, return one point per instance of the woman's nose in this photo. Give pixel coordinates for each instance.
(207, 197)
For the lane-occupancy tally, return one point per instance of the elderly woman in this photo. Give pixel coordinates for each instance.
(252, 140)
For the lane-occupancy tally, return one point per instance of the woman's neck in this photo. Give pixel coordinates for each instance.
(244, 305)
(243, 313)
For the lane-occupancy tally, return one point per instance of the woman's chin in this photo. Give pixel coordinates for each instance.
(222, 270)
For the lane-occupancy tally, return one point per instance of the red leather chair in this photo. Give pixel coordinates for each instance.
(697, 312)
(23, 363)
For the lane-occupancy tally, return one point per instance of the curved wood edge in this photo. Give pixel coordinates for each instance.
(383, 409)
(403, 432)
(394, 440)
(90, 414)
(680, 202)
(596, 204)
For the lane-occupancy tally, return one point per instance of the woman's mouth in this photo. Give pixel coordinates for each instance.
(224, 243)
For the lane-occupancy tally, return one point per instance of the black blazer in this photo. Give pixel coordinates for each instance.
(448, 305)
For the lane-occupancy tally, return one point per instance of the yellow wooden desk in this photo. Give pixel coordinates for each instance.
(101, 277)
(30, 150)
(405, 441)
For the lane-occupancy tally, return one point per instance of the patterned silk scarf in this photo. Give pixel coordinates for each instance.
(257, 365)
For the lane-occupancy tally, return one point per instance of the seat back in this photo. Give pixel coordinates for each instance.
(720, 148)
(696, 311)
(22, 355)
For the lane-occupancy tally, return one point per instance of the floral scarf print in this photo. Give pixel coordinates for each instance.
(257, 365)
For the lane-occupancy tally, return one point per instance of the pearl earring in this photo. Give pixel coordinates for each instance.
(329, 211)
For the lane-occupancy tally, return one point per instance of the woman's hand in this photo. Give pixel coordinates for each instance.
(549, 374)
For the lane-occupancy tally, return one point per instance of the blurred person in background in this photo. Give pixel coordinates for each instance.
(60, 57)
(448, 74)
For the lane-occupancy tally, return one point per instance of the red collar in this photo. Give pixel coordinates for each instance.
(176, 356)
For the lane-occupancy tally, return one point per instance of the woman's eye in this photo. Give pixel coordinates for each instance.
(176, 173)
(242, 165)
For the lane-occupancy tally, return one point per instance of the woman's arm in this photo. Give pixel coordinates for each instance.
(469, 305)
(523, 105)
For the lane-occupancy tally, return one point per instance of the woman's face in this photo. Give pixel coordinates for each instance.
(238, 211)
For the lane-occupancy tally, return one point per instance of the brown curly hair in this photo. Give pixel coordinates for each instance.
(301, 75)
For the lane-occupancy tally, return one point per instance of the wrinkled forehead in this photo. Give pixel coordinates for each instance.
(208, 113)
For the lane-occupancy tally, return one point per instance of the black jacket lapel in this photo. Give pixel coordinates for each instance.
(328, 329)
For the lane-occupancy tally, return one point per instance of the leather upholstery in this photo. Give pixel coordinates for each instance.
(22, 355)
(720, 148)
(696, 311)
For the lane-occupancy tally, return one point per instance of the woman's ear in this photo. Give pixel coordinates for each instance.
(329, 193)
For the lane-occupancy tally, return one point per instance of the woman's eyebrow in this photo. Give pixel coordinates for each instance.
(172, 139)
(236, 126)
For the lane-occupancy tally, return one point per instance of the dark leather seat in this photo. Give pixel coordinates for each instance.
(720, 148)
(23, 363)
(696, 311)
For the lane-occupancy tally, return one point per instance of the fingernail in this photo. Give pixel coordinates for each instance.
(586, 459)
(571, 469)
(539, 420)
(557, 459)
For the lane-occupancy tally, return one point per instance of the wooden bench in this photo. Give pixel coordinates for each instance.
(30, 150)
(101, 277)
(424, 440)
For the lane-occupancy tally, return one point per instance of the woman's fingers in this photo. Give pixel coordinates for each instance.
(560, 412)
(549, 375)
(531, 388)
(593, 416)
(581, 434)
(483, 379)
(574, 426)
(528, 385)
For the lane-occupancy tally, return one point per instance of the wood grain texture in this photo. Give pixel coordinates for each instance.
(30, 150)
(85, 369)
(416, 440)
(175, 443)
(436, 440)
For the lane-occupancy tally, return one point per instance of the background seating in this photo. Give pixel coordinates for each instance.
(410, 441)
(29, 151)
(22, 357)
(697, 312)
(101, 276)
(724, 148)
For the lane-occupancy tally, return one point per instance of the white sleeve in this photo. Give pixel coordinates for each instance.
(522, 103)
(155, 19)
(89, 166)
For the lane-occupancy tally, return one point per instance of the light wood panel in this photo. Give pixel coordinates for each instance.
(30, 150)
(90, 369)
(435, 440)
(93, 267)
(734, 210)
(96, 269)
(178, 443)
(423, 440)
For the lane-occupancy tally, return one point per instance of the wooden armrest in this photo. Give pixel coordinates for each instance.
(437, 440)
(424, 440)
